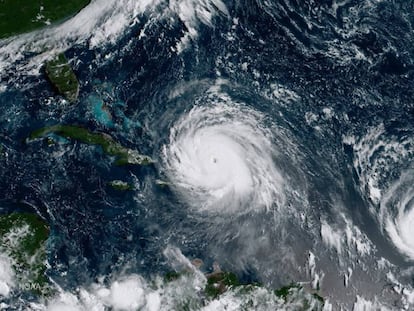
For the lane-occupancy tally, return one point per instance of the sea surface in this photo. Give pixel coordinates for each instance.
(283, 139)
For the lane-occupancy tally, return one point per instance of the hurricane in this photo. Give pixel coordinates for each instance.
(221, 158)
(207, 155)
(397, 214)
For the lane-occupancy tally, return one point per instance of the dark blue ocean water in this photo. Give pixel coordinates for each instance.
(350, 68)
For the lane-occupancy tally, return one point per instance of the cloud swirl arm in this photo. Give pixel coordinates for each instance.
(220, 158)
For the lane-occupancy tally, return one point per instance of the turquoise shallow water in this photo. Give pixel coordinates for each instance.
(282, 135)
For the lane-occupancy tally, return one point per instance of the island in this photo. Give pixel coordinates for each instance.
(123, 155)
(120, 185)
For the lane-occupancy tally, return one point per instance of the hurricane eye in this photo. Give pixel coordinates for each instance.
(220, 177)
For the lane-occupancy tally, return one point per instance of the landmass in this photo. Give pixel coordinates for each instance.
(23, 239)
(162, 183)
(20, 16)
(220, 282)
(62, 77)
(109, 146)
(120, 185)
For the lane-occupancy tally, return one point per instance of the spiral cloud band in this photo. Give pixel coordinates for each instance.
(219, 157)
(397, 211)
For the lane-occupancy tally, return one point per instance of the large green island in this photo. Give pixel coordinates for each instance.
(109, 146)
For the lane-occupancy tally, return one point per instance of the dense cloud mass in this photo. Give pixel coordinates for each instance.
(209, 155)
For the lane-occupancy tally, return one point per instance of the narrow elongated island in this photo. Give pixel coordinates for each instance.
(109, 146)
